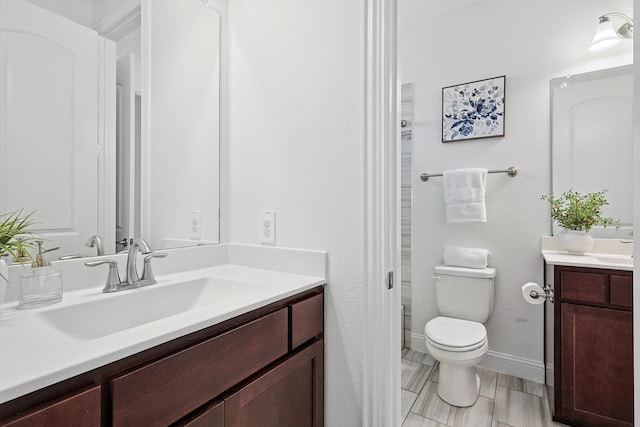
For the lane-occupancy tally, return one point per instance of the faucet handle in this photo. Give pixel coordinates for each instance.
(147, 272)
(113, 278)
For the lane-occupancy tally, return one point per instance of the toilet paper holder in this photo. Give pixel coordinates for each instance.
(548, 293)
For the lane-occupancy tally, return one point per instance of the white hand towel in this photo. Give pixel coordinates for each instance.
(466, 257)
(464, 195)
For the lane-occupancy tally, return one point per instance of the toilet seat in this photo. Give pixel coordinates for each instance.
(456, 335)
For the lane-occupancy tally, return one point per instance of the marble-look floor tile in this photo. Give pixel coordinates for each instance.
(418, 356)
(408, 398)
(478, 415)
(435, 373)
(415, 420)
(520, 384)
(520, 409)
(429, 405)
(488, 381)
(414, 375)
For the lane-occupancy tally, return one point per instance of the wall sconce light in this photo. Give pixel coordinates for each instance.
(608, 34)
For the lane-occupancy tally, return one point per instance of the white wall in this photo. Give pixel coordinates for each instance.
(296, 91)
(445, 43)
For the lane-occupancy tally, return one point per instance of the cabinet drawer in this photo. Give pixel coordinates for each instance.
(307, 320)
(581, 286)
(621, 290)
(172, 387)
(78, 410)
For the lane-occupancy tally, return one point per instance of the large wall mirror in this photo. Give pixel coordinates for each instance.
(592, 141)
(110, 120)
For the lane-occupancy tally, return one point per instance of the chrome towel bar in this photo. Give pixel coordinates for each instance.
(511, 171)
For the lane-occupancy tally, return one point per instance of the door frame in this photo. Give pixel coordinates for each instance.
(381, 364)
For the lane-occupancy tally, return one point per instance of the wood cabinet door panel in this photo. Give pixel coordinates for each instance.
(210, 416)
(597, 365)
(78, 410)
(290, 395)
(170, 388)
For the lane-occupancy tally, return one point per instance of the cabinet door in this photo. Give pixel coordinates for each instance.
(597, 366)
(289, 395)
(211, 416)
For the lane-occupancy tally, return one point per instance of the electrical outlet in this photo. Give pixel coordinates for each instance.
(268, 228)
(196, 225)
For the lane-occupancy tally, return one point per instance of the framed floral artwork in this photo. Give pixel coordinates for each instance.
(473, 110)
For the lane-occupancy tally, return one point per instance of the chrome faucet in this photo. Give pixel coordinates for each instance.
(95, 241)
(132, 279)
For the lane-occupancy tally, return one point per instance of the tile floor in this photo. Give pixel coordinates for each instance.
(504, 401)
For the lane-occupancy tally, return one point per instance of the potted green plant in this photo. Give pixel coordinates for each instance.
(15, 240)
(577, 213)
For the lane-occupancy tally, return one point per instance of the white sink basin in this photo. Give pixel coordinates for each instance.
(611, 259)
(111, 313)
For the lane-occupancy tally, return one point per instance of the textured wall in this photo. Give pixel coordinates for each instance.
(445, 43)
(296, 90)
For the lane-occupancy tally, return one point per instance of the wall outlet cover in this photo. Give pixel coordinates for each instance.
(267, 228)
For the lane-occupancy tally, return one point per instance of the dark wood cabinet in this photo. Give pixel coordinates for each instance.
(593, 324)
(265, 367)
(270, 400)
(175, 385)
(80, 408)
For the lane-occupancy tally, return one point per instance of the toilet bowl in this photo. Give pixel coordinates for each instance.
(459, 345)
(457, 338)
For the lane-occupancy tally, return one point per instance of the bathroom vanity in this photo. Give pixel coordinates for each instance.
(592, 339)
(255, 360)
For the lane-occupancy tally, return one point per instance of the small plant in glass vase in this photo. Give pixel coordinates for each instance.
(577, 213)
(15, 239)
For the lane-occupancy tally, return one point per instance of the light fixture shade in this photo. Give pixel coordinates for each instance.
(605, 36)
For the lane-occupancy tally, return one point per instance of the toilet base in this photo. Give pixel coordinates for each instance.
(461, 387)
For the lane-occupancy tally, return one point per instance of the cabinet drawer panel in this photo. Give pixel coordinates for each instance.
(172, 387)
(578, 286)
(621, 290)
(307, 320)
(79, 410)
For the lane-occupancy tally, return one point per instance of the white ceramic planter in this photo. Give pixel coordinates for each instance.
(4, 277)
(576, 242)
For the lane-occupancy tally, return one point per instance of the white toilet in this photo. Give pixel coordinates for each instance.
(458, 338)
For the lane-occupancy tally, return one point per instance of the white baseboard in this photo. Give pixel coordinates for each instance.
(549, 369)
(514, 365)
(521, 367)
(417, 343)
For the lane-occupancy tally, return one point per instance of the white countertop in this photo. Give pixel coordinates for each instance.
(36, 354)
(606, 253)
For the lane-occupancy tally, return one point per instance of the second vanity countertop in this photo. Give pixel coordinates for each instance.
(607, 253)
(37, 353)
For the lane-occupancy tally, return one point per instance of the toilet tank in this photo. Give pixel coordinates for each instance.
(464, 293)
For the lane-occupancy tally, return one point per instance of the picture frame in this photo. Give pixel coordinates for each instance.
(473, 110)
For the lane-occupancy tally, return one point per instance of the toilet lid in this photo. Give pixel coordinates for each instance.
(455, 334)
